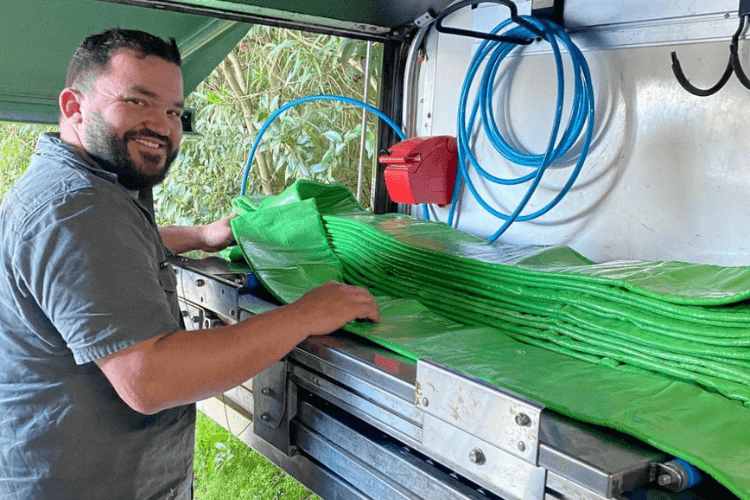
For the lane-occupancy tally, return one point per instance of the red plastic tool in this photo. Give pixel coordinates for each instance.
(421, 170)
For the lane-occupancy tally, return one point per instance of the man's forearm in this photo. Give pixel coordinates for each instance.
(181, 239)
(210, 238)
(187, 366)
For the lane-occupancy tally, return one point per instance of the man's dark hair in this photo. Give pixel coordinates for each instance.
(92, 57)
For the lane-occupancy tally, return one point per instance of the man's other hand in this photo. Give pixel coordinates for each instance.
(329, 307)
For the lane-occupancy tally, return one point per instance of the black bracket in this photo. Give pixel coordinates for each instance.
(551, 10)
(187, 121)
(488, 36)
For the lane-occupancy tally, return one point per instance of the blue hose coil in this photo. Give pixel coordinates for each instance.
(301, 100)
(582, 114)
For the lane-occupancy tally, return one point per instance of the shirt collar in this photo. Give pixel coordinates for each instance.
(51, 144)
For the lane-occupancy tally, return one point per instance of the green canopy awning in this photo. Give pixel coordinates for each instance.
(38, 38)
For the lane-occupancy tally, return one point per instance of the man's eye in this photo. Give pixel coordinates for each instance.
(133, 100)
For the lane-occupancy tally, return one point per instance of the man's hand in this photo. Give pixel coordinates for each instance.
(217, 236)
(210, 238)
(331, 306)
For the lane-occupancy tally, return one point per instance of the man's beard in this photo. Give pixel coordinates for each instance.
(110, 151)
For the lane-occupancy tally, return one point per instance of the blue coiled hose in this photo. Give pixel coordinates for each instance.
(293, 103)
(582, 114)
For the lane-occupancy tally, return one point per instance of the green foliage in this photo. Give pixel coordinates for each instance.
(225, 468)
(316, 140)
(17, 144)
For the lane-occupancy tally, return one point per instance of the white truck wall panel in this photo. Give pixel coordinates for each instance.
(668, 173)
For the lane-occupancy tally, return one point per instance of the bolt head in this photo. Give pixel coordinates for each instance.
(476, 456)
(523, 420)
(521, 446)
(425, 402)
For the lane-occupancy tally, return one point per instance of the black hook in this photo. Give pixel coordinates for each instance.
(733, 65)
(488, 36)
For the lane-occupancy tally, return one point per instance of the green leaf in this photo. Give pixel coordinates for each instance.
(348, 47)
(333, 136)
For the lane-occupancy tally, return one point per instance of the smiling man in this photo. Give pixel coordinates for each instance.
(129, 117)
(97, 375)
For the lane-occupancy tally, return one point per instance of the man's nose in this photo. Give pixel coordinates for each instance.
(158, 122)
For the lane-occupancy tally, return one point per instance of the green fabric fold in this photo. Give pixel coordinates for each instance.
(291, 235)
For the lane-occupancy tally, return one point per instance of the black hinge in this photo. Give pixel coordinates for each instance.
(553, 10)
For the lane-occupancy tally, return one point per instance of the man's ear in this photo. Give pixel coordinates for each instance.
(70, 104)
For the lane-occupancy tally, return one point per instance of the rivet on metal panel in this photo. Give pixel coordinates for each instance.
(265, 417)
(200, 282)
(267, 391)
(476, 456)
(425, 402)
(314, 380)
(523, 420)
(521, 446)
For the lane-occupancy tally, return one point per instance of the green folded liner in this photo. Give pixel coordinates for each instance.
(673, 282)
(287, 249)
(554, 324)
(735, 315)
(681, 328)
(569, 334)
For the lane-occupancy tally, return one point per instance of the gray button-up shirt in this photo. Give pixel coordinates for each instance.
(84, 275)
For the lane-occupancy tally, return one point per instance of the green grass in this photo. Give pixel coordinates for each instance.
(225, 468)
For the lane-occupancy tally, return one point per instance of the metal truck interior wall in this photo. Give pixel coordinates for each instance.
(668, 173)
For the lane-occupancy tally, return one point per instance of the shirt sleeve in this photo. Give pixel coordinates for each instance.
(95, 265)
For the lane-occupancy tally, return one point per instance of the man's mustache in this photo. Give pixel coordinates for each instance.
(148, 133)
